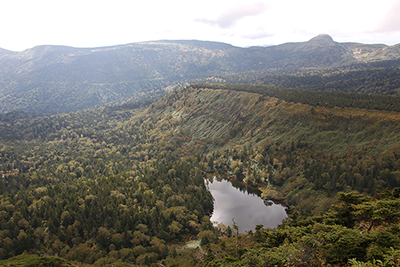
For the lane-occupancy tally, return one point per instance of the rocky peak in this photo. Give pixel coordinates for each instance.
(322, 39)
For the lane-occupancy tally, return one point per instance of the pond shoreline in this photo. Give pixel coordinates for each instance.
(243, 203)
(278, 199)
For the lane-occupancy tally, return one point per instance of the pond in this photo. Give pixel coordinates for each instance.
(233, 200)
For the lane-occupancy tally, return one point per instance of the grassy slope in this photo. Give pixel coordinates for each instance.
(223, 118)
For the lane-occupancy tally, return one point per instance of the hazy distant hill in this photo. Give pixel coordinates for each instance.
(51, 79)
(4, 52)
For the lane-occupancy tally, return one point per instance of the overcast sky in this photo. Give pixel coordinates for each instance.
(88, 23)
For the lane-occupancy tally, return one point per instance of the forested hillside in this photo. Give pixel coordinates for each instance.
(124, 185)
(91, 185)
(368, 78)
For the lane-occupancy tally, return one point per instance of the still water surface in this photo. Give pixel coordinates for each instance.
(244, 205)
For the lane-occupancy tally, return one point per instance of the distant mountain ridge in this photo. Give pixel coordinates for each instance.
(4, 52)
(53, 79)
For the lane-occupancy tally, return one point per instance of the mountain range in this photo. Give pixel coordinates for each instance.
(54, 79)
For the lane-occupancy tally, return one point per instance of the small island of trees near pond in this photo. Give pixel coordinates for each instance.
(125, 186)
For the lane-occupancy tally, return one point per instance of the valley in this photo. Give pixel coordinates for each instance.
(137, 174)
(114, 174)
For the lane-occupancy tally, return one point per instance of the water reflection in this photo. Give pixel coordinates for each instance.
(234, 200)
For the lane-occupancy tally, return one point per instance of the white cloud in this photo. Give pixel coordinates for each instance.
(391, 22)
(230, 17)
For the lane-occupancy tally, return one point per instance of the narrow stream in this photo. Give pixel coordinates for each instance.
(244, 205)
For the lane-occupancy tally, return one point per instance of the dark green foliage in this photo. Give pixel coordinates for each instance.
(92, 183)
(372, 78)
(318, 99)
(369, 78)
(318, 241)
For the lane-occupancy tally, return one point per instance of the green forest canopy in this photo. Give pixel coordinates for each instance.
(126, 185)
